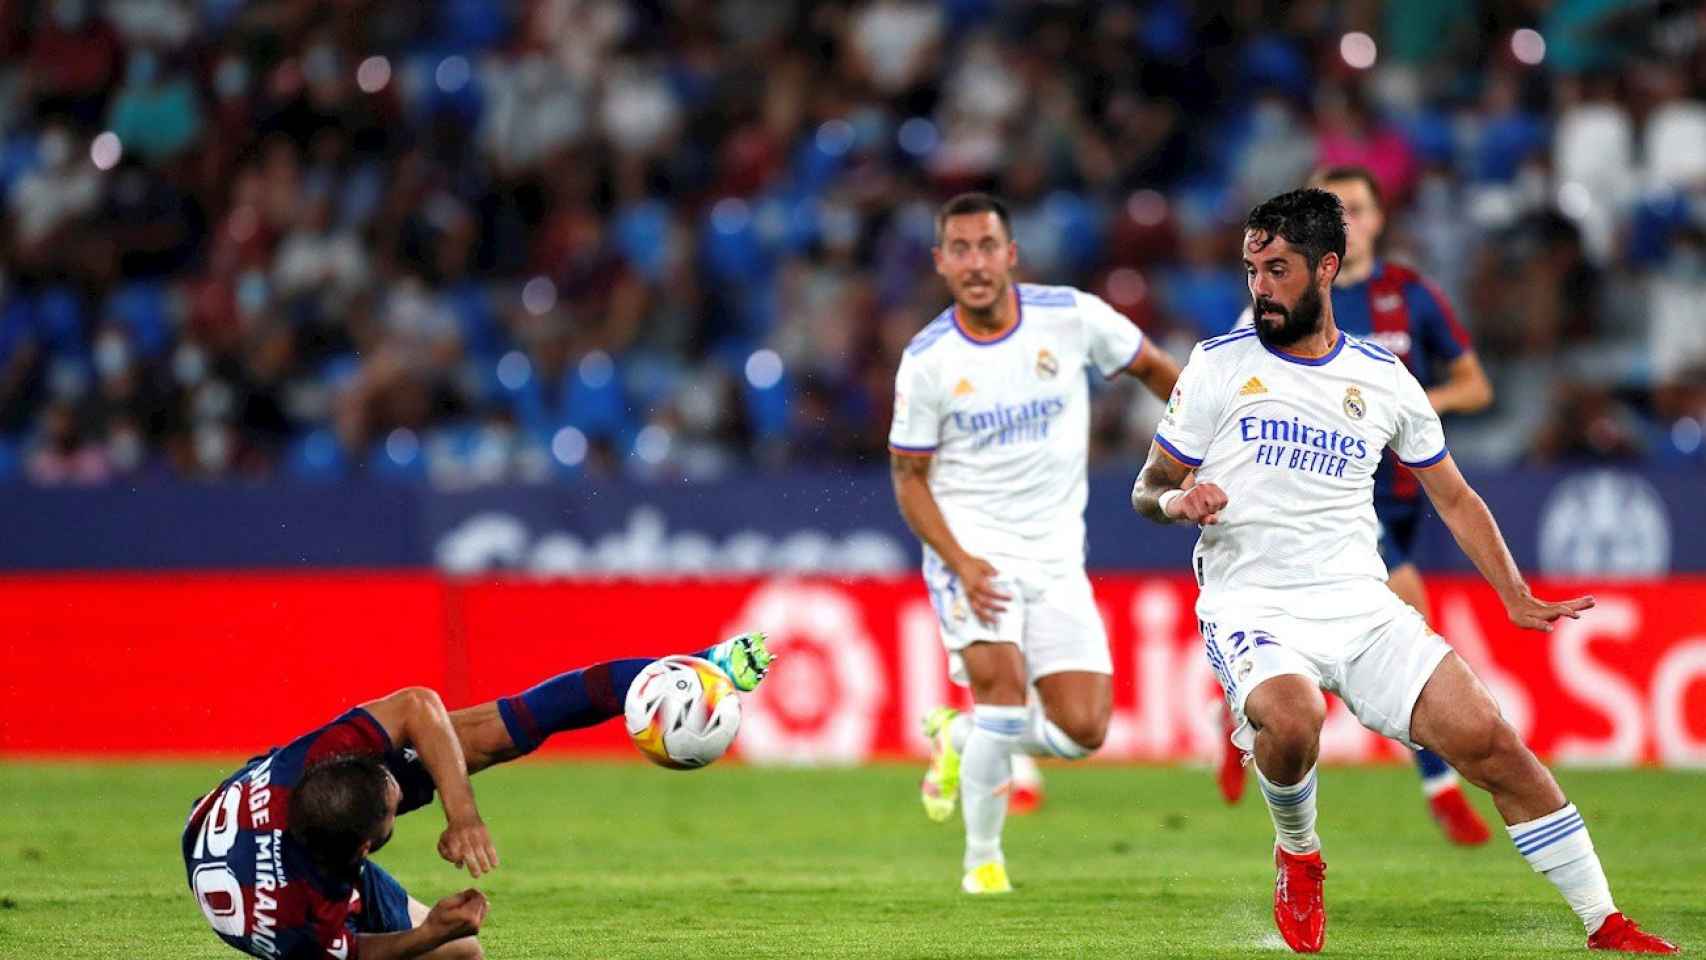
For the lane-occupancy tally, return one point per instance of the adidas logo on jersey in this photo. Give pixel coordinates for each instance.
(1252, 387)
(963, 388)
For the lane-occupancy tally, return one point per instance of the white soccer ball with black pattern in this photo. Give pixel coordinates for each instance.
(682, 712)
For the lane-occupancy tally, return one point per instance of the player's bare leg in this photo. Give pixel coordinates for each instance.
(1446, 802)
(582, 698)
(1076, 707)
(997, 675)
(467, 948)
(1456, 717)
(1068, 721)
(1287, 712)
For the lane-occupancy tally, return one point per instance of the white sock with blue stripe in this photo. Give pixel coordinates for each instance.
(986, 768)
(1043, 739)
(1292, 808)
(1558, 847)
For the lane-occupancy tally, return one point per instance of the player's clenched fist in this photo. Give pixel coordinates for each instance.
(469, 844)
(458, 915)
(1202, 503)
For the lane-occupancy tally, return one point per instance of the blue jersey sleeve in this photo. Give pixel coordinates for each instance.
(1442, 338)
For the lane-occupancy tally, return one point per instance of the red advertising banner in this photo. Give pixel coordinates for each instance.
(232, 663)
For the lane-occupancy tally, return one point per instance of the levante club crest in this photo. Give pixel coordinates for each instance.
(1354, 405)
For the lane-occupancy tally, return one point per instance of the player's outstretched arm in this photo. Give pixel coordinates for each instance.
(456, 916)
(1164, 492)
(1472, 524)
(1466, 388)
(1156, 369)
(415, 717)
(911, 475)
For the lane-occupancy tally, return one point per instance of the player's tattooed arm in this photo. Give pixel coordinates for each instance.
(1165, 492)
(911, 475)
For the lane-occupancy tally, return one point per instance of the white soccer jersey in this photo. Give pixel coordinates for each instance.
(1295, 443)
(1008, 420)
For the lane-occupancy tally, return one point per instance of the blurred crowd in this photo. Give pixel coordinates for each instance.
(472, 242)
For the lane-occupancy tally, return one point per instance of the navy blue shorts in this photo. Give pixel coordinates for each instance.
(1400, 522)
(384, 903)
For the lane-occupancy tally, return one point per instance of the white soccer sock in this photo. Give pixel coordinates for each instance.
(1558, 847)
(1026, 773)
(959, 729)
(1293, 811)
(1043, 739)
(986, 768)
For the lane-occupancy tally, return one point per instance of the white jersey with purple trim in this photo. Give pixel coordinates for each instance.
(1295, 443)
(1007, 420)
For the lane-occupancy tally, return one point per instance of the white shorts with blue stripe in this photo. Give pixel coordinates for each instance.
(1052, 616)
(1377, 662)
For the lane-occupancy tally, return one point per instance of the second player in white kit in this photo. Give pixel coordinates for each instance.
(1282, 427)
(1300, 440)
(989, 448)
(1007, 423)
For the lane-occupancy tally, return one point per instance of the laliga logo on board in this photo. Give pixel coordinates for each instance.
(823, 700)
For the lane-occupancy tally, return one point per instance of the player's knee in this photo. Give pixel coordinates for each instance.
(1296, 730)
(1487, 746)
(1088, 731)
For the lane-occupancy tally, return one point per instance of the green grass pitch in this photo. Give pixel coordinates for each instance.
(624, 860)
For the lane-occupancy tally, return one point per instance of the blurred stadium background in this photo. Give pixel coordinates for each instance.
(455, 342)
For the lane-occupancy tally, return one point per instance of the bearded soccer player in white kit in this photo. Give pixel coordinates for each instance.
(1284, 425)
(989, 448)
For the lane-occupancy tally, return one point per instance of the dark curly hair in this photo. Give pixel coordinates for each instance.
(1311, 220)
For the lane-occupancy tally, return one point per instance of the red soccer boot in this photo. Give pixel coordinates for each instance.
(1462, 825)
(1299, 912)
(1231, 774)
(1620, 933)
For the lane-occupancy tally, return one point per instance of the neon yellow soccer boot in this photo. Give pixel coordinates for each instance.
(941, 786)
(985, 878)
(743, 659)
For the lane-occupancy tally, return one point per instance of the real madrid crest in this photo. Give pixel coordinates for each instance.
(1047, 365)
(1354, 405)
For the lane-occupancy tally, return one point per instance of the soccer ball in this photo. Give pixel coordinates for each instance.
(682, 712)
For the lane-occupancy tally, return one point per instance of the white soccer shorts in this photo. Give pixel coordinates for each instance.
(1377, 663)
(1052, 616)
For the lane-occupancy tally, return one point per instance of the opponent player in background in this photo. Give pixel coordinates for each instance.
(277, 854)
(1396, 308)
(1284, 426)
(989, 447)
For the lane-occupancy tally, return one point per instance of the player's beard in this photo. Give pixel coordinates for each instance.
(1302, 320)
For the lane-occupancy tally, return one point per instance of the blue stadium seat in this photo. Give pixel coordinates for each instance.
(140, 307)
(60, 322)
(641, 232)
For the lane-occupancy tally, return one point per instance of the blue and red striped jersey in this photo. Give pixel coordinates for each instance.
(257, 887)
